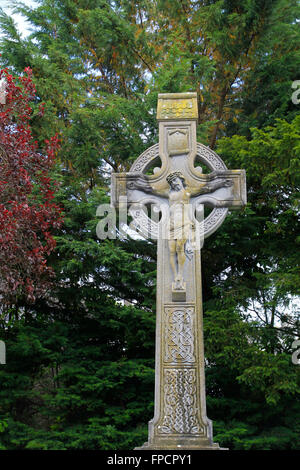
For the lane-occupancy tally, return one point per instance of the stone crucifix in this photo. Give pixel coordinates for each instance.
(167, 176)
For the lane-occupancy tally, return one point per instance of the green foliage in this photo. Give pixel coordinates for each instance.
(70, 386)
(257, 391)
(271, 159)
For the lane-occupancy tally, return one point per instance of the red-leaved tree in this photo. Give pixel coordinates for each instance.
(28, 213)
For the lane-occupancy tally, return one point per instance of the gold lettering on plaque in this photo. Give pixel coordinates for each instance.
(183, 108)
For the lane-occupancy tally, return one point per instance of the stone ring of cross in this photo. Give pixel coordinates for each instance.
(150, 159)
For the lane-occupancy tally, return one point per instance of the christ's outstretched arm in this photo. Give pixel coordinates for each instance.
(141, 182)
(211, 187)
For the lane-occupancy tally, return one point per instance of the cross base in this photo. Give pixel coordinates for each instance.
(193, 446)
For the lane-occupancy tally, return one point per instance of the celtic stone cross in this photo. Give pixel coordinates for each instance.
(168, 177)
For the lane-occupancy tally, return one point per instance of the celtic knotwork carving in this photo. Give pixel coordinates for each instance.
(180, 402)
(210, 158)
(214, 220)
(179, 337)
(145, 159)
(215, 163)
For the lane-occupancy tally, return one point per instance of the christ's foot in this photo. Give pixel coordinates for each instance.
(179, 283)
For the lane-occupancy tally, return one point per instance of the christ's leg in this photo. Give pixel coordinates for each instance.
(181, 260)
(172, 249)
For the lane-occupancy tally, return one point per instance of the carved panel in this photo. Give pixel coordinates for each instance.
(179, 335)
(178, 141)
(180, 402)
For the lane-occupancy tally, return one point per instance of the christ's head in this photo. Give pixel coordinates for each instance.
(176, 181)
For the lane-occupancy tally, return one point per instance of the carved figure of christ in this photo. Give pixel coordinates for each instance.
(180, 223)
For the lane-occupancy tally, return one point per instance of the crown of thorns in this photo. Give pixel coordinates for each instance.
(172, 176)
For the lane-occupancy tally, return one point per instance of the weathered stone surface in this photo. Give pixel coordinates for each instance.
(180, 190)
